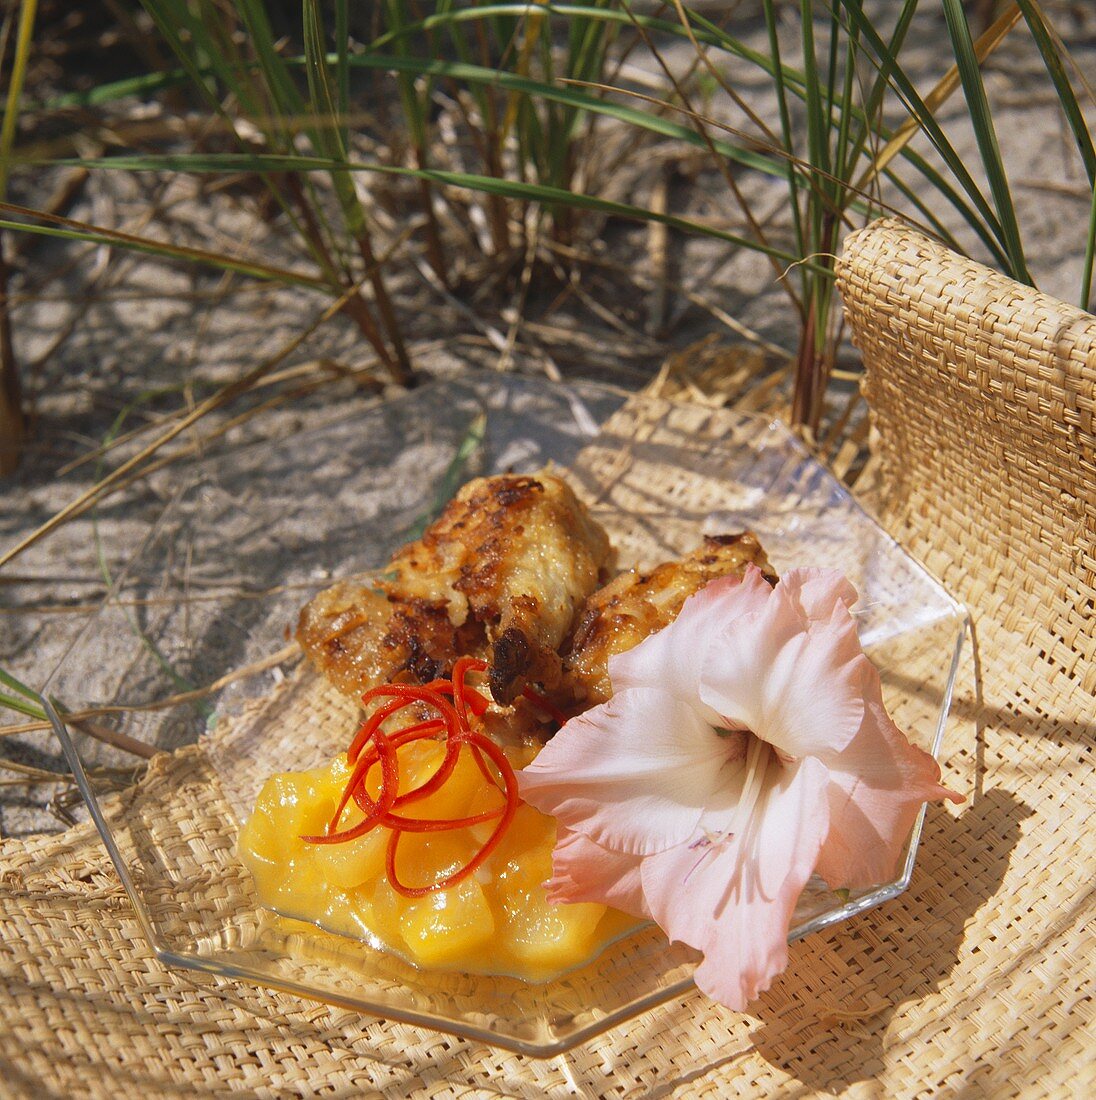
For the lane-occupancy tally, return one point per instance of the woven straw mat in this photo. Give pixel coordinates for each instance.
(976, 982)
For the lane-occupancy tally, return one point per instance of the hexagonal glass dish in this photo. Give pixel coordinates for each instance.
(248, 534)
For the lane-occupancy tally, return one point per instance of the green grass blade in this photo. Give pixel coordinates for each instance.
(881, 56)
(786, 135)
(23, 38)
(324, 128)
(20, 706)
(441, 20)
(1090, 254)
(705, 31)
(897, 40)
(190, 41)
(223, 47)
(413, 108)
(68, 229)
(24, 700)
(17, 686)
(571, 97)
(832, 75)
(1052, 58)
(869, 123)
(843, 103)
(342, 69)
(818, 127)
(970, 74)
(327, 137)
(276, 75)
(113, 90)
(490, 185)
(588, 60)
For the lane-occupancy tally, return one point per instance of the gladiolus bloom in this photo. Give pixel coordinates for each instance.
(745, 748)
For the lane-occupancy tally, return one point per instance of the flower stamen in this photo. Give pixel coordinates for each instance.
(752, 785)
(705, 846)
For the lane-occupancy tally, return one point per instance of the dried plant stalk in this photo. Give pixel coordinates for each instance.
(12, 426)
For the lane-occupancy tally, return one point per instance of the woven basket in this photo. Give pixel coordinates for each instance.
(977, 981)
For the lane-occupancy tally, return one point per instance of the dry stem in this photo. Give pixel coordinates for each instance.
(12, 426)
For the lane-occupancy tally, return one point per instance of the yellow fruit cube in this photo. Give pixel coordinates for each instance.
(453, 798)
(352, 862)
(445, 927)
(495, 920)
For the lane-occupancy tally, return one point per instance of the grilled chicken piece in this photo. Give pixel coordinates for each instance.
(517, 554)
(501, 574)
(359, 638)
(635, 604)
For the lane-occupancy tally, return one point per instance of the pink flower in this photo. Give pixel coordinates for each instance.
(745, 748)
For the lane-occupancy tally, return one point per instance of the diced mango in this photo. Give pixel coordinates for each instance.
(541, 934)
(424, 858)
(445, 928)
(353, 862)
(293, 803)
(453, 797)
(496, 920)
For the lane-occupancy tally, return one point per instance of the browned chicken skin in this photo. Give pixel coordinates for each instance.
(635, 604)
(501, 574)
(509, 572)
(517, 554)
(359, 638)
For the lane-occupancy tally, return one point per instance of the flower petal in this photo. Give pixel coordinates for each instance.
(877, 786)
(795, 680)
(632, 774)
(816, 593)
(584, 871)
(735, 901)
(672, 657)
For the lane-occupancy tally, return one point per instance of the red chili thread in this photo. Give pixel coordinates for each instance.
(545, 704)
(362, 765)
(371, 746)
(498, 757)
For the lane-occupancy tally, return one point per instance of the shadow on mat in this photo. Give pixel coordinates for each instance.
(961, 866)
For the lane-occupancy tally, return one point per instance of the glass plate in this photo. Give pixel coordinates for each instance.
(247, 536)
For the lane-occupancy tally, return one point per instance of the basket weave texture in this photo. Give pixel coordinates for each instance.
(977, 981)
